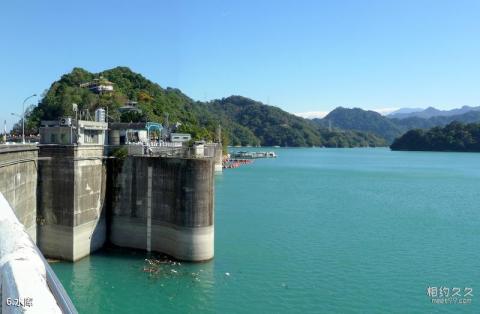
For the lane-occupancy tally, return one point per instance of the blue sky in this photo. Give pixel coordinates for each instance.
(303, 56)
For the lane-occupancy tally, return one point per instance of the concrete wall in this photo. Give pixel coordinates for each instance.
(18, 183)
(219, 158)
(215, 150)
(160, 204)
(164, 205)
(23, 272)
(71, 201)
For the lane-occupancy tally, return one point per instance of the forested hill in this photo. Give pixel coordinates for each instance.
(385, 127)
(453, 137)
(361, 120)
(243, 121)
(153, 100)
(273, 126)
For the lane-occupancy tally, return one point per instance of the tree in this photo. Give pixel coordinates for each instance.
(453, 137)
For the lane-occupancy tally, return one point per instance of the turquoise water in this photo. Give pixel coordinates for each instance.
(317, 231)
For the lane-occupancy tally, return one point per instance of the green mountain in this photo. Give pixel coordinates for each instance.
(273, 126)
(361, 120)
(243, 121)
(453, 137)
(153, 101)
(385, 127)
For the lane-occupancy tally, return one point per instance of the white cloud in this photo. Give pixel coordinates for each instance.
(385, 111)
(312, 114)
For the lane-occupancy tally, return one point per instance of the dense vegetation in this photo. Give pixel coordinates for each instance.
(154, 101)
(388, 128)
(361, 120)
(273, 126)
(243, 121)
(453, 137)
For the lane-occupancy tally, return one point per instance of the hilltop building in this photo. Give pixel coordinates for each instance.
(129, 106)
(99, 85)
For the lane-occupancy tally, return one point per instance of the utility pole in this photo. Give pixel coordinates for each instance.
(23, 117)
(5, 131)
(75, 109)
(166, 127)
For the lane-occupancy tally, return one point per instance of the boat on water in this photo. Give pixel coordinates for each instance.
(253, 155)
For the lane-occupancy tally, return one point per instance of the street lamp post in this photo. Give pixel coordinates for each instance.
(23, 116)
(16, 115)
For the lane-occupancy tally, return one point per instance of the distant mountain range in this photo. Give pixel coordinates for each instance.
(402, 111)
(430, 112)
(361, 120)
(244, 121)
(390, 128)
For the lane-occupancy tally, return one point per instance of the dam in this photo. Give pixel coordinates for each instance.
(69, 200)
(155, 203)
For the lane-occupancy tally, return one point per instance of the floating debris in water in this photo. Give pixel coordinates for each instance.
(158, 266)
(150, 270)
(163, 267)
(227, 274)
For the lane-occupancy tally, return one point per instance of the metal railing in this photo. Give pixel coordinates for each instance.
(165, 151)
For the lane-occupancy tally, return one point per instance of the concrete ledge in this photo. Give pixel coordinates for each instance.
(23, 274)
(24, 284)
(17, 148)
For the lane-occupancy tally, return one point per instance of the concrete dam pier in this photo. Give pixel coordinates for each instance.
(164, 205)
(71, 200)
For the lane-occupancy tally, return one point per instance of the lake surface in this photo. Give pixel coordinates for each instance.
(315, 230)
